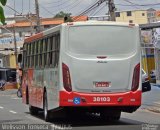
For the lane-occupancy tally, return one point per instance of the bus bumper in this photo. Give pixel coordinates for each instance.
(92, 99)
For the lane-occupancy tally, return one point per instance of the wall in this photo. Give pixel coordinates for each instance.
(136, 17)
(12, 60)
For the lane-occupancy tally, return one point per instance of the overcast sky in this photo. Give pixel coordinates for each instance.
(50, 7)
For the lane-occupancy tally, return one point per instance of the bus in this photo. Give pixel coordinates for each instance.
(80, 67)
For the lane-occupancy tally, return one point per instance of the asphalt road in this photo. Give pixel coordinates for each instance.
(12, 111)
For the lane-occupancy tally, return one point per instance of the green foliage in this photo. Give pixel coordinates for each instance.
(66, 16)
(3, 2)
(2, 17)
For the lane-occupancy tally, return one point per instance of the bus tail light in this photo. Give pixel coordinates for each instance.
(66, 78)
(136, 75)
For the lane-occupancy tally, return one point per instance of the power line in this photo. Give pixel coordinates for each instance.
(88, 6)
(98, 10)
(66, 6)
(132, 3)
(74, 6)
(46, 9)
(95, 5)
(54, 2)
(22, 15)
(60, 4)
(156, 4)
(92, 12)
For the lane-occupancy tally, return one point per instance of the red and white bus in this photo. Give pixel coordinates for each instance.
(83, 67)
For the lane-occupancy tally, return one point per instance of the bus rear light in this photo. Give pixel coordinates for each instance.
(66, 78)
(136, 76)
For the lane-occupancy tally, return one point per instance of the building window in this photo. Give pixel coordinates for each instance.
(130, 21)
(143, 14)
(129, 13)
(117, 14)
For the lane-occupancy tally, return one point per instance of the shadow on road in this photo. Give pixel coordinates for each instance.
(88, 120)
(10, 121)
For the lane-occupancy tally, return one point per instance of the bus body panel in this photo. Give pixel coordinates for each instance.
(52, 89)
(114, 66)
(86, 69)
(100, 99)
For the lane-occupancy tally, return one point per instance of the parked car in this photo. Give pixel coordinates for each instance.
(146, 86)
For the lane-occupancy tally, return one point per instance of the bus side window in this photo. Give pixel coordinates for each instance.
(57, 49)
(45, 52)
(36, 60)
(40, 48)
(28, 55)
(48, 50)
(33, 54)
(25, 56)
(53, 51)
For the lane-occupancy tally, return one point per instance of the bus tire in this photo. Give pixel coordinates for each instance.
(45, 108)
(113, 116)
(27, 96)
(33, 110)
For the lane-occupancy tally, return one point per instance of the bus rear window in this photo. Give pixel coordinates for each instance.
(102, 40)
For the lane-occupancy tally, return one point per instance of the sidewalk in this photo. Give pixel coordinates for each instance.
(151, 99)
(154, 84)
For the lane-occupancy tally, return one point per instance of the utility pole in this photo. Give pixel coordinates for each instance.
(111, 7)
(15, 45)
(38, 18)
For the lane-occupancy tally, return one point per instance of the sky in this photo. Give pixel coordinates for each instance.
(48, 8)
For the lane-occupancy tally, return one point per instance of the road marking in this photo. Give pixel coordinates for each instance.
(1, 107)
(13, 112)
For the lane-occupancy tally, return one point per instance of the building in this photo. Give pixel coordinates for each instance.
(23, 27)
(137, 16)
(158, 15)
(151, 47)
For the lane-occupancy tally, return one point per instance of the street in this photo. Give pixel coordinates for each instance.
(12, 111)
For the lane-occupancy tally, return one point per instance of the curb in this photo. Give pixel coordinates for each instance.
(154, 109)
(157, 85)
(10, 86)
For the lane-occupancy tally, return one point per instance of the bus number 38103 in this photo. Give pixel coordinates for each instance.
(101, 99)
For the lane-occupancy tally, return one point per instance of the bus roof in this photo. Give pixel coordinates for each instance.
(90, 22)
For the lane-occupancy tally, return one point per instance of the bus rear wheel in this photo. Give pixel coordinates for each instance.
(33, 110)
(114, 116)
(45, 108)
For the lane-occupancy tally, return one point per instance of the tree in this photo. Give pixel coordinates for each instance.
(66, 16)
(2, 17)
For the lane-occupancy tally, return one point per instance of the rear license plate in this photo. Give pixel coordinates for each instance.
(102, 84)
